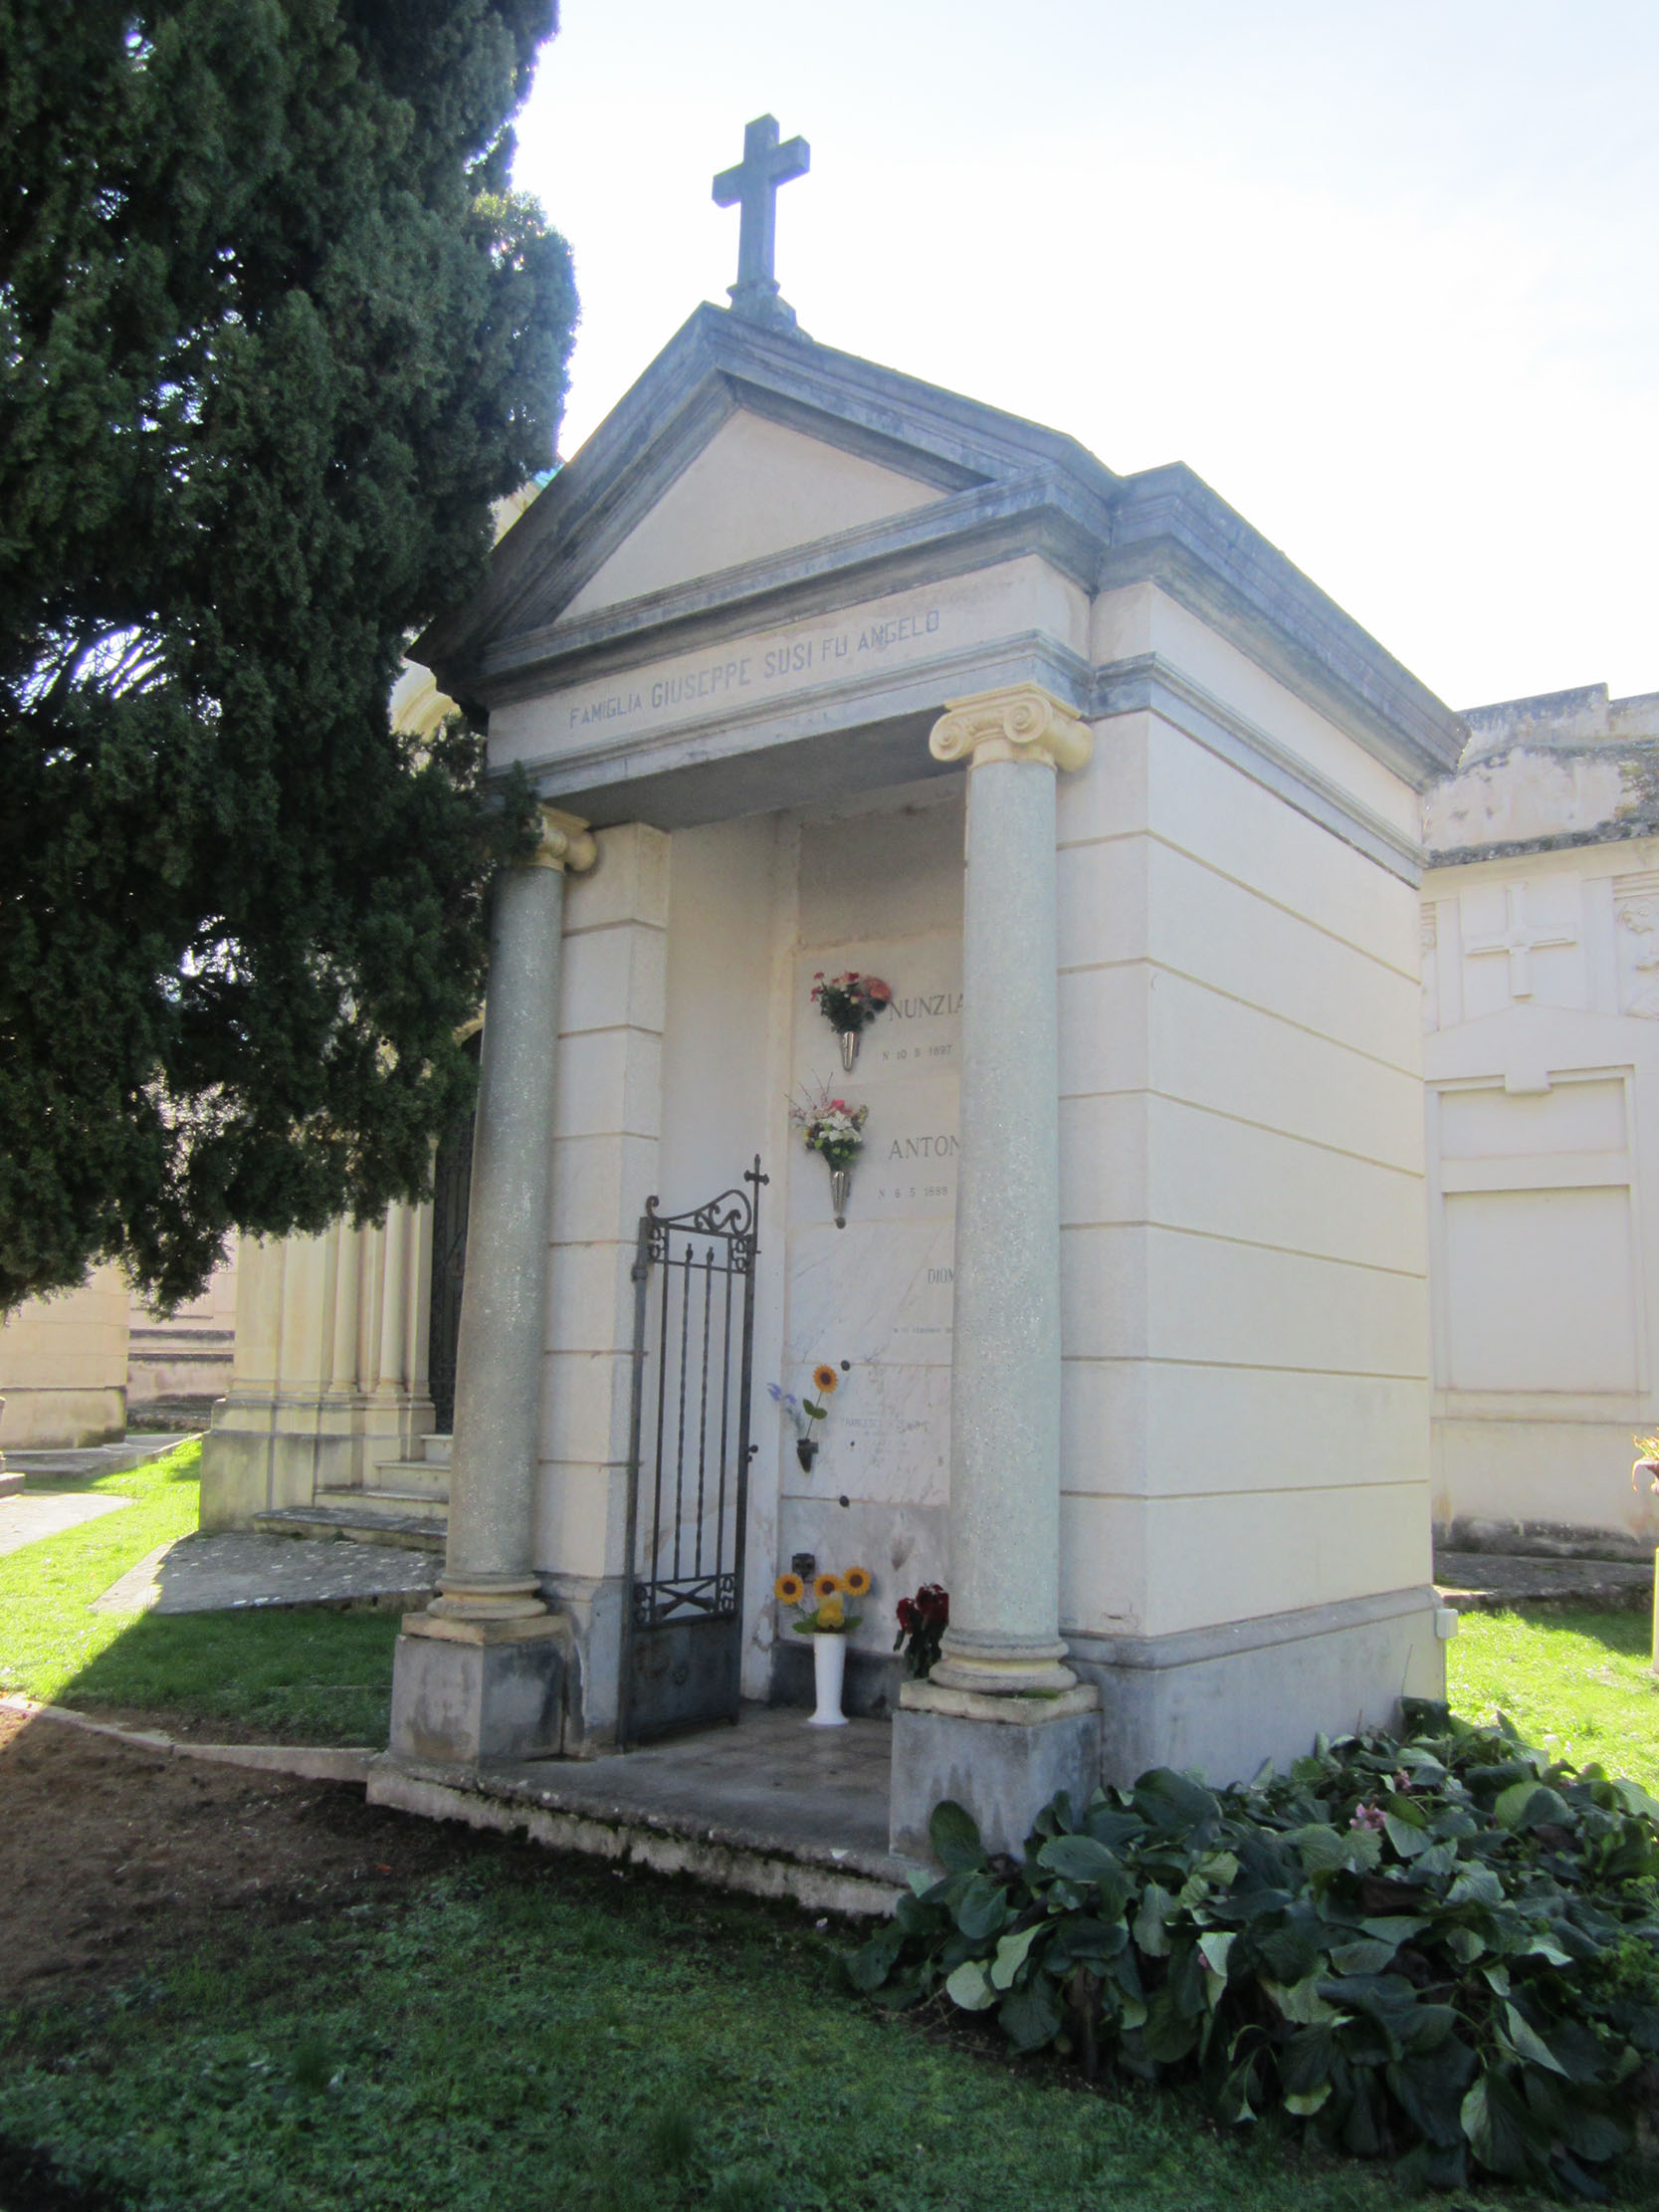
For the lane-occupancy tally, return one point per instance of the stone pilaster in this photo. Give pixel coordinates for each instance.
(465, 1684)
(1003, 1660)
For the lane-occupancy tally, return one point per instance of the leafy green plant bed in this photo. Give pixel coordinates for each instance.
(1444, 1949)
(302, 1676)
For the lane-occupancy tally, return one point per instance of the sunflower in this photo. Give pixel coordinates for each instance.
(826, 1586)
(856, 1582)
(789, 1588)
(825, 1379)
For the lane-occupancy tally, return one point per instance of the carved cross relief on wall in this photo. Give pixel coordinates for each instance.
(1516, 941)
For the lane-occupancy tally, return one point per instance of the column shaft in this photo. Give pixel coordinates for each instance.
(1006, 1359)
(488, 1572)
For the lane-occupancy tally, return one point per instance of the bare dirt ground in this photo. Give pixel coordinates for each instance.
(112, 1855)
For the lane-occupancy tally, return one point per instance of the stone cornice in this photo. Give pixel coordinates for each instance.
(1009, 485)
(1148, 682)
(1021, 722)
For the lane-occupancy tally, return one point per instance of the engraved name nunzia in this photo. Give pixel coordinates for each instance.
(756, 670)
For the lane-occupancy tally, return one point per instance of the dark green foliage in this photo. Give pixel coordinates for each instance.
(1444, 1949)
(274, 334)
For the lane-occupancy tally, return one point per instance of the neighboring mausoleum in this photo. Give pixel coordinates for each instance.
(1541, 1012)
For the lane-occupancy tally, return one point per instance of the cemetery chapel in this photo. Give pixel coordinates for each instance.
(817, 670)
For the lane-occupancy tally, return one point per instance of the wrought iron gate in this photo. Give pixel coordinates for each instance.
(688, 1463)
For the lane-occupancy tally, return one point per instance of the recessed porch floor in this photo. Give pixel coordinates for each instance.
(771, 1806)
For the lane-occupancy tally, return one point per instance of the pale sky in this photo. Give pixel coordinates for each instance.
(1382, 273)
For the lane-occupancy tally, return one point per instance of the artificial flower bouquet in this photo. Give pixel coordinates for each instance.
(923, 1620)
(828, 1614)
(848, 1001)
(831, 1127)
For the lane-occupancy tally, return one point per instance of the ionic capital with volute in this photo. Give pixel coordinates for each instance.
(1021, 722)
(566, 842)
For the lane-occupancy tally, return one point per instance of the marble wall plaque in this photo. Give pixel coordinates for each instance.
(878, 1293)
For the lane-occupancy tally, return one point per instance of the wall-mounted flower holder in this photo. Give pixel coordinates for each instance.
(841, 1182)
(806, 1451)
(849, 1049)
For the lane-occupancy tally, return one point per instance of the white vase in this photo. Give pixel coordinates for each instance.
(829, 1665)
(849, 1049)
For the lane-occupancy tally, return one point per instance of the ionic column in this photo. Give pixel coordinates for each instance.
(488, 1572)
(1004, 1633)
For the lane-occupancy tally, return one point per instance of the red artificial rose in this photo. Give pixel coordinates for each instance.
(909, 1619)
(879, 991)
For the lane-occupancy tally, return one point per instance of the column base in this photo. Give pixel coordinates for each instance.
(498, 1597)
(1001, 1757)
(1017, 1672)
(466, 1691)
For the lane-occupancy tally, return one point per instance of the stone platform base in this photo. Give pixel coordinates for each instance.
(1003, 1758)
(466, 1691)
(772, 1808)
(1222, 1700)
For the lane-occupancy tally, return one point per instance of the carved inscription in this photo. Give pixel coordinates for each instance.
(756, 668)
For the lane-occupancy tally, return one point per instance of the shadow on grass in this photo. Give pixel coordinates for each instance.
(277, 1676)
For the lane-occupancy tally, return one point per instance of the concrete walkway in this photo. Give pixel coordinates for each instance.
(27, 1516)
(234, 1572)
(1491, 1582)
(87, 1463)
(772, 1807)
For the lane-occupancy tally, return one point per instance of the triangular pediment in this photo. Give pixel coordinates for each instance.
(740, 455)
(758, 487)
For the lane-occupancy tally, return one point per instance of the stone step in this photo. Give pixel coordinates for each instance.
(409, 1532)
(434, 1448)
(388, 1501)
(405, 1479)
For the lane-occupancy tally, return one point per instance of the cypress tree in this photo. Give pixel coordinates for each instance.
(274, 336)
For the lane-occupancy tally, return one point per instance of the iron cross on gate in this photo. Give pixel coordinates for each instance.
(752, 186)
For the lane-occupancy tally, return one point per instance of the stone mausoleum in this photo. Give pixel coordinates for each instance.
(815, 668)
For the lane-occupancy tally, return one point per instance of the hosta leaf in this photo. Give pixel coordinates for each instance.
(1288, 1955)
(1527, 2044)
(982, 1909)
(1306, 2103)
(1302, 2002)
(1011, 1954)
(1407, 1839)
(1078, 1859)
(1393, 1927)
(1500, 2129)
(1320, 1847)
(1172, 1801)
(1593, 2136)
(969, 1986)
(1476, 1886)
(1430, 2092)
(1030, 2017)
(1306, 2060)
(955, 1839)
(1370, 1955)
(1169, 2034)
(1215, 1948)
(869, 1966)
(1150, 1932)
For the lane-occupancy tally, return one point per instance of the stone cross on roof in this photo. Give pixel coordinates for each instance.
(752, 186)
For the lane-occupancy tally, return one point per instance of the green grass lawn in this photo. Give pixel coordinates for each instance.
(535, 2031)
(1578, 1685)
(560, 2035)
(311, 1678)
